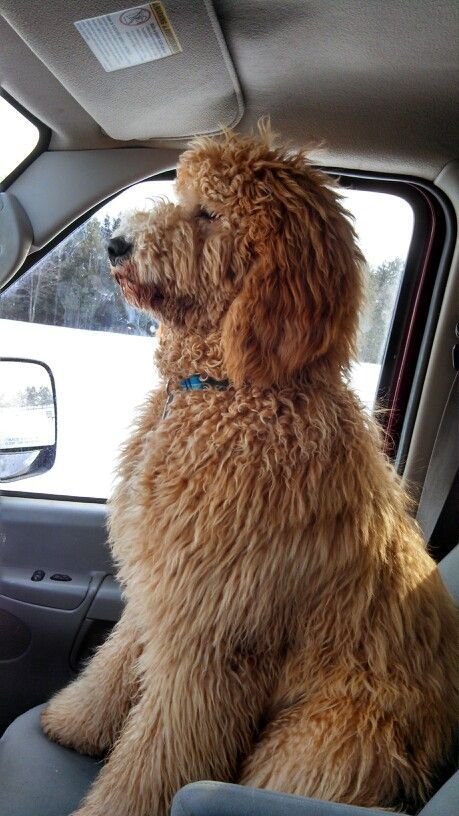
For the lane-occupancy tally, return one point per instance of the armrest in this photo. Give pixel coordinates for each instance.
(220, 799)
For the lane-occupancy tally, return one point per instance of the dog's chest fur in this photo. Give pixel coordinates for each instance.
(223, 490)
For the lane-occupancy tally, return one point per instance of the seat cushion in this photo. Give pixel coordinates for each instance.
(220, 799)
(38, 777)
(446, 801)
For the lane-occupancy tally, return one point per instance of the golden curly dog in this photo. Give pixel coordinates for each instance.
(284, 625)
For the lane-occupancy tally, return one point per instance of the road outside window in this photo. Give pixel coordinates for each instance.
(68, 312)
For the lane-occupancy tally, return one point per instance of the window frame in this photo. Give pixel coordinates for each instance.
(43, 142)
(416, 312)
(34, 257)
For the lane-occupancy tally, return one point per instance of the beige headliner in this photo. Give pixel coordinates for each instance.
(378, 82)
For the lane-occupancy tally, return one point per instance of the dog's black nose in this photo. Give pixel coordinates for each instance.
(118, 247)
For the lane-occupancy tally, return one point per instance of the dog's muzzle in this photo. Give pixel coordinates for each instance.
(118, 250)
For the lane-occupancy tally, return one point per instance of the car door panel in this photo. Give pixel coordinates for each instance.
(51, 625)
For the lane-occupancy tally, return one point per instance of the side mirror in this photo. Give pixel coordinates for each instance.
(28, 424)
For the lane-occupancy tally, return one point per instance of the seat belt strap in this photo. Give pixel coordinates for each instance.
(443, 465)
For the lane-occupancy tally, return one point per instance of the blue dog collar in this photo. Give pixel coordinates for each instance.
(194, 383)
(198, 383)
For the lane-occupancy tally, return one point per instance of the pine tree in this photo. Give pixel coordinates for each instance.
(381, 288)
(72, 287)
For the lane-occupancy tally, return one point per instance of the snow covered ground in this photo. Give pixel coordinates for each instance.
(100, 378)
(26, 426)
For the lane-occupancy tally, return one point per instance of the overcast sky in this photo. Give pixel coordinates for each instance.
(18, 138)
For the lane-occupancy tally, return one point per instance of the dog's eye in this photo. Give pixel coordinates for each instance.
(207, 215)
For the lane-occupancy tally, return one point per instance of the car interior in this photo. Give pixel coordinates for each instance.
(373, 90)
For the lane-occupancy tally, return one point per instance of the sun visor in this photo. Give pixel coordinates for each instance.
(160, 70)
(15, 237)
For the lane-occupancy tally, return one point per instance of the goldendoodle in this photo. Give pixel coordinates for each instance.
(284, 625)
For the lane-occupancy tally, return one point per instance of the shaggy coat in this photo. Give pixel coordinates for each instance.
(284, 625)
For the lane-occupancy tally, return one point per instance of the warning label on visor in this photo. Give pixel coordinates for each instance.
(130, 37)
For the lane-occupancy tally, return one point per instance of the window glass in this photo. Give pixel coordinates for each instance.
(67, 312)
(384, 226)
(18, 137)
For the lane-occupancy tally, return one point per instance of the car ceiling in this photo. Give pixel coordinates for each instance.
(375, 84)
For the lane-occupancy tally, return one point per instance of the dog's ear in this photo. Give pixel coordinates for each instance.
(302, 291)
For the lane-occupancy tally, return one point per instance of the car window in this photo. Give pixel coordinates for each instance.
(67, 312)
(384, 225)
(18, 138)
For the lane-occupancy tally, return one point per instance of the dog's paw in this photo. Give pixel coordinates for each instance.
(89, 810)
(102, 803)
(61, 723)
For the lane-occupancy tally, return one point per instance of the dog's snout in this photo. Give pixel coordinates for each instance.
(118, 248)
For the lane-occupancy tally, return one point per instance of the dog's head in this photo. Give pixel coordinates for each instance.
(258, 247)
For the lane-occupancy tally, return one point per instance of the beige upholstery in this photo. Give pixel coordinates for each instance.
(378, 82)
(195, 91)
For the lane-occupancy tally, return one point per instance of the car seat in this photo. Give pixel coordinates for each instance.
(40, 778)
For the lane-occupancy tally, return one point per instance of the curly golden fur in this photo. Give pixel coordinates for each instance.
(284, 625)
